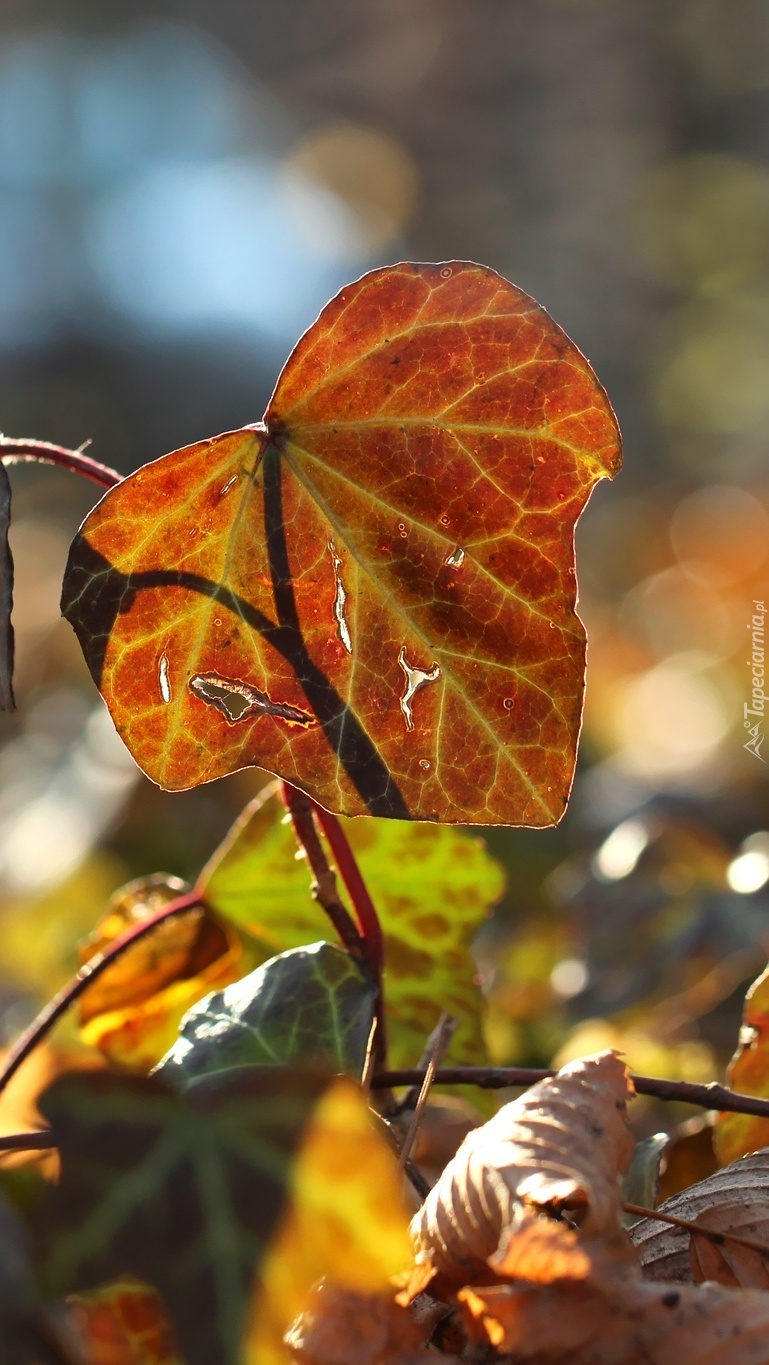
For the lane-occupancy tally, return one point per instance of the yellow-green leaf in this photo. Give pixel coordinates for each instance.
(432, 886)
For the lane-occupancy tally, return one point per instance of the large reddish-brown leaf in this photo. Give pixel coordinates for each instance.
(372, 594)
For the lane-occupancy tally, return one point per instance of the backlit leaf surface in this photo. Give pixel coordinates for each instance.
(372, 594)
(133, 1010)
(308, 1006)
(734, 1135)
(123, 1324)
(432, 888)
(346, 1222)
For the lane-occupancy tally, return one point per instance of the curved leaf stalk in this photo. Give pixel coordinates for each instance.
(300, 808)
(366, 941)
(50, 1015)
(365, 913)
(45, 452)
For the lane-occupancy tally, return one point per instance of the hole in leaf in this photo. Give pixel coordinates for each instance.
(239, 700)
(415, 679)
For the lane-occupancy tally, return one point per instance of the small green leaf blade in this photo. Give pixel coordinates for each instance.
(307, 1007)
(433, 887)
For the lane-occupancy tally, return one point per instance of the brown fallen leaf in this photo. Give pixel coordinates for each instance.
(628, 1324)
(339, 1327)
(564, 1144)
(541, 1250)
(731, 1262)
(664, 1250)
(689, 1156)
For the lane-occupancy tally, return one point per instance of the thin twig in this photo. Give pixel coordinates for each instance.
(697, 1229)
(434, 1052)
(370, 1061)
(40, 1141)
(323, 888)
(49, 1016)
(44, 452)
(412, 1172)
(439, 1038)
(713, 1096)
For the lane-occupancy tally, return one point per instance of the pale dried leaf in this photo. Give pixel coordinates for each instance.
(343, 1328)
(564, 1144)
(664, 1250)
(541, 1250)
(631, 1324)
(729, 1262)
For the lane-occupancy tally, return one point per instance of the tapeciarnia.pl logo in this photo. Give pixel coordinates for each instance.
(753, 712)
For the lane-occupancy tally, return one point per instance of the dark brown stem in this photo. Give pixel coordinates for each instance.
(49, 1016)
(711, 1096)
(41, 1141)
(44, 452)
(362, 904)
(300, 808)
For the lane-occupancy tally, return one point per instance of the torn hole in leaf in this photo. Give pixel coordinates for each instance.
(239, 700)
(340, 601)
(416, 678)
(456, 558)
(164, 683)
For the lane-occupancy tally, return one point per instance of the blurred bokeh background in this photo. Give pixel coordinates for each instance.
(182, 186)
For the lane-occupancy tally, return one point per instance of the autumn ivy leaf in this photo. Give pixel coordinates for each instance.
(432, 886)
(133, 1010)
(247, 1182)
(122, 1324)
(734, 1135)
(371, 594)
(310, 1006)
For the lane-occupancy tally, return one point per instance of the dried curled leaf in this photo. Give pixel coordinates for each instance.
(727, 1261)
(629, 1323)
(562, 1145)
(343, 1328)
(664, 1251)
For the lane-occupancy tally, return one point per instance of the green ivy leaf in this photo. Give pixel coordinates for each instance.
(432, 886)
(305, 1007)
(185, 1192)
